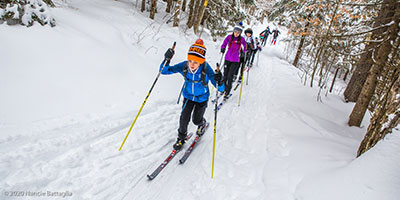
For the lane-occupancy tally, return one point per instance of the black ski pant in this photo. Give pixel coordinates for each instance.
(242, 64)
(264, 40)
(245, 61)
(251, 57)
(230, 69)
(188, 107)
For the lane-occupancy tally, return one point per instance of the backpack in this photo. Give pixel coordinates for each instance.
(203, 74)
(250, 44)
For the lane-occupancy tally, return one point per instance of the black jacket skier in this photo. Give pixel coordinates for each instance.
(264, 35)
(276, 33)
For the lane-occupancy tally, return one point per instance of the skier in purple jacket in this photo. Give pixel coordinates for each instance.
(232, 57)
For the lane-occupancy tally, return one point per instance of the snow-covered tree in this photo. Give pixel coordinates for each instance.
(380, 56)
(360, 36)
(26, 12)
(221, 15)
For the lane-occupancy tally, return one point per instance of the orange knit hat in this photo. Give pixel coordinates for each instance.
(197, 52)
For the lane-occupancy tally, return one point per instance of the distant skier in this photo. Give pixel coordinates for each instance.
(258, 48)
(235, 42)
(258, 43)
(276, 33)
(264, 36)
(197, 73)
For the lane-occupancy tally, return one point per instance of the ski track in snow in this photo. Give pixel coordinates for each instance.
(253, 156)
(69, 156)
(79, 151)
(246, 144)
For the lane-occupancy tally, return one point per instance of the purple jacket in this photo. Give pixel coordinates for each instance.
(233, 48)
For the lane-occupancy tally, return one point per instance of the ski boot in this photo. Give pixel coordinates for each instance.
(178, 145)
(202, 128)
(240, 79)
(226, 96)
(234, 78)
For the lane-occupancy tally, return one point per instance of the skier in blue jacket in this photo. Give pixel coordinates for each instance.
(197, 73)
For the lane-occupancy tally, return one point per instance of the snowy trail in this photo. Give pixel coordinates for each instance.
(252, 153)
(87, 152)
(241, 155)
(280, 144)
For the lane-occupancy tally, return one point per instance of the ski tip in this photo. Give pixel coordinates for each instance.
(181, 161)
(150, 177)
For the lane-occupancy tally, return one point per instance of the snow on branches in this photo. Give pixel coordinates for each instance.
(26, 12)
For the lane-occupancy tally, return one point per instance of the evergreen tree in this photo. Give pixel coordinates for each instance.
(26, 12)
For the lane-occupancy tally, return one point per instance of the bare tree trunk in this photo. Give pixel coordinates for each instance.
(359, 76)
(205, 18)
(299, 50)
(168, 8)
(177, 12)
(376, 130)
(252, 10)
(316, 63)
(143, 5)
(387, 114)
(184, 6)
(153, 8)
(195, 11)
(323, 45)
(365, 62)
(345, 75)
(323, 65)
(200, 15)
(368, 89)
(333, 81)
(191, 14)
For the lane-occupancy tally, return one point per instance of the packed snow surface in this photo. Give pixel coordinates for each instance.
(69, 95)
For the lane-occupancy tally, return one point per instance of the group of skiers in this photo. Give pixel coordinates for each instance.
(240, 52)
(265, 33)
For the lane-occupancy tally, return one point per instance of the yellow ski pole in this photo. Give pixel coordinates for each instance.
(144, 102)
(241, 82)
(215, 128)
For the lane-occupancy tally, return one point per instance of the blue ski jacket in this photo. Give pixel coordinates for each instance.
(193, 88)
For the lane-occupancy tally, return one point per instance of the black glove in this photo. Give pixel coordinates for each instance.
(223, 50)
(218, 77)
(241, 54)
(169, 54)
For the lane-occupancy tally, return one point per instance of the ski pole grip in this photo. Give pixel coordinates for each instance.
(217, 70)
(173, 46)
